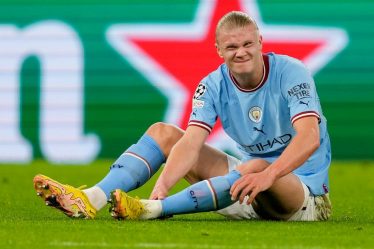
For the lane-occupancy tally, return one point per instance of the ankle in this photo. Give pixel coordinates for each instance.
(96, 197)
(153, 209)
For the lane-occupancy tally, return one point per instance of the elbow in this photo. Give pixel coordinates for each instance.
(316, 144)
(315, 141)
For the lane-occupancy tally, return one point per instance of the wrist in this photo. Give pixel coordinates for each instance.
(273, 172)
(162, 184)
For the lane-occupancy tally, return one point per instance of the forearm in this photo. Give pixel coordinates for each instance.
(297, 152)
(182, 157)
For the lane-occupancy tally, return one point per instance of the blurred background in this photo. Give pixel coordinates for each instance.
(82, 80)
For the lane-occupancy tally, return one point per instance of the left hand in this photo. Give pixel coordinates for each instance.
(159, 192)
(251, 184)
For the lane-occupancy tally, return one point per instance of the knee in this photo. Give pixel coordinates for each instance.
(166, 135)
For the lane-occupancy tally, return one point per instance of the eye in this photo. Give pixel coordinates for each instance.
(248, 44)
(231, 47)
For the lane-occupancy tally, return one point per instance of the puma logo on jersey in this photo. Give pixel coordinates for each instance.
(260, 130)
(304, 103)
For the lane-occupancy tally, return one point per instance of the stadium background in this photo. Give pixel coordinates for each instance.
(119, 102)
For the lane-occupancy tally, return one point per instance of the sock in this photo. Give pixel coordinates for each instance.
(96, 196)
(153, 209)
(134, 167)
(208, 195)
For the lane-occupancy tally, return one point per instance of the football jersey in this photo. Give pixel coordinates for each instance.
(261, 120)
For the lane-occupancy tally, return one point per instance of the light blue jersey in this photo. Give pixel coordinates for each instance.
(261, 120)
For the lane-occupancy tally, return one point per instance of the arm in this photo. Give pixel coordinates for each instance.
(302, 146)
(182, 157)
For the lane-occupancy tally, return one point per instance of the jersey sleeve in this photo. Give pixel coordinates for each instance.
(203, 111)
(299, 89)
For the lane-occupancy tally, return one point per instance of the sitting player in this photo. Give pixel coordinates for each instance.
(267, 103)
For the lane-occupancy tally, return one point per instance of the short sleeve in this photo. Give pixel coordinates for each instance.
(203, 112)
(299, 89)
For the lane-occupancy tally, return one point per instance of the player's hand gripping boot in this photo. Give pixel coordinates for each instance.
(70, 200)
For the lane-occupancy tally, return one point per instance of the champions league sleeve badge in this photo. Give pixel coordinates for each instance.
(200, 90)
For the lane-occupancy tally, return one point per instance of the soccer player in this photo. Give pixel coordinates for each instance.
(267, 103)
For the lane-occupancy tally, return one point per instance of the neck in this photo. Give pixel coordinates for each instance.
(251, 80)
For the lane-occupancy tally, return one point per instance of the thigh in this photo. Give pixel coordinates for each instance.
(211, 163)
(282, 200)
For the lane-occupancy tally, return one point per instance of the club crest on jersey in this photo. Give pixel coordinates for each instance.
(200, 90)
(255, 114)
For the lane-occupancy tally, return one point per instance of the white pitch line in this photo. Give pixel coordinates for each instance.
(138, 245)
(174, 245)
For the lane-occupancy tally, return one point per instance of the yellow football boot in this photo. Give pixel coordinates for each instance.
(70, 200)
(124, 206)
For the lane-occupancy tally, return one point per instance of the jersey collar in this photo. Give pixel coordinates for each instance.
(263, 80)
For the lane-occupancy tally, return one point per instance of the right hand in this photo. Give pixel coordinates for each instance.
(159, 192)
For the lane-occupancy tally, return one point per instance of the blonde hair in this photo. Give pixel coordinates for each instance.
(235, 19)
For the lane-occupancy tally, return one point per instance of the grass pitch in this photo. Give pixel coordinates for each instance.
(25, 222)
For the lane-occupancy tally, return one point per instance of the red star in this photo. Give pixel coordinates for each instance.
(186, 59)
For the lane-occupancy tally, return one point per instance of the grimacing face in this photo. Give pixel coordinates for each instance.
(240, 48)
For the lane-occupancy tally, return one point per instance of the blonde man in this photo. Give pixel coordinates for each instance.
(267, 103)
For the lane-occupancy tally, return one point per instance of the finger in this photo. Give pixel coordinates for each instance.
(245, 192)
(237, 189)
(233, 191)
(154, 195)
(236, 183)
(252, 196)
(239, 185)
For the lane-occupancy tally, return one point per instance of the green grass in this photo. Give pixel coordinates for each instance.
(25, 222)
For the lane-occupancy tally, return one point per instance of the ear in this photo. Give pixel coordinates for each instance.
(219, 52)
(260, 40)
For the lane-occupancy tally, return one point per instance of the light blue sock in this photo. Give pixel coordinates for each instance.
(208, 195)
(134, 167)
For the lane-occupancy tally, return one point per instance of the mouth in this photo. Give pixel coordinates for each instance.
(241, 61)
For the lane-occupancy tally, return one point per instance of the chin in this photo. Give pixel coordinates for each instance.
(242, 69)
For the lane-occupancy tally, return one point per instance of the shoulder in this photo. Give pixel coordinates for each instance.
(290, 72)
(285, 63)
(217, 75)
(215, 79)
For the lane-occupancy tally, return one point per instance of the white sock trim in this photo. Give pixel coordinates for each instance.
(96, 196)
(153, 209)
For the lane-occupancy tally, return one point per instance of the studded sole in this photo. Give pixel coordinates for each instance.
(50, 195)
(116, 205)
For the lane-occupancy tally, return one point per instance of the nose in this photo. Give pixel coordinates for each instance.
(241, 52)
